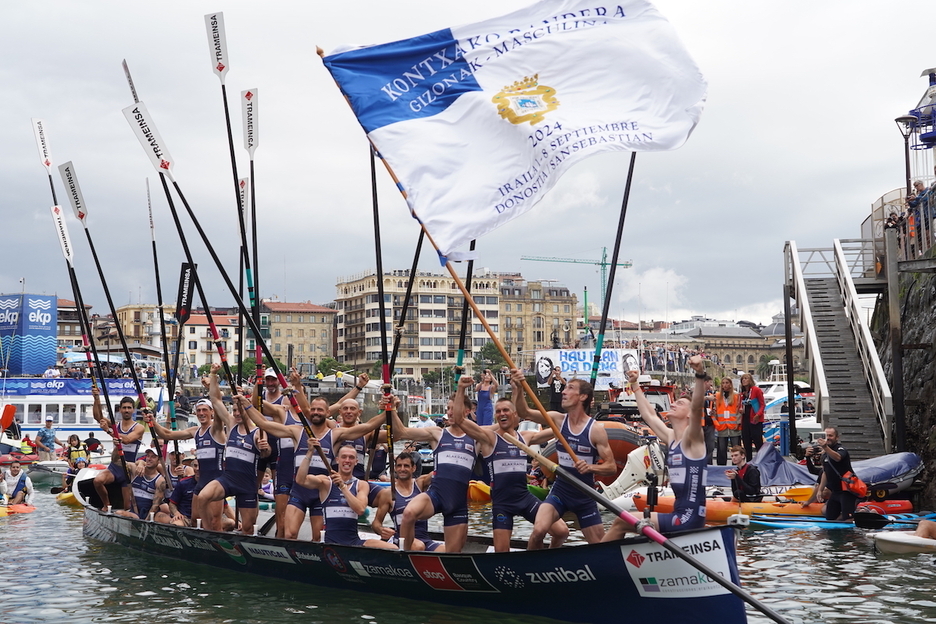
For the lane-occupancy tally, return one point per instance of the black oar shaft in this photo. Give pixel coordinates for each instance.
(606, 304)
(466, 313)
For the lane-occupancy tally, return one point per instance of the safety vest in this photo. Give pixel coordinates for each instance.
(25, 448)
(726, 414)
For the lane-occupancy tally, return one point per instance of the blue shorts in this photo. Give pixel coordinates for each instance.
(586, 511)
(343, 540)
(242, 487)
(305, 499)
(684, 519)
(120, 475)
(282, 483)
(449, 498)
(502, 514)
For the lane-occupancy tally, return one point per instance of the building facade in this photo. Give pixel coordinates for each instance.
(140, 323)
(299, 333)
(535, 315)
(432, 326)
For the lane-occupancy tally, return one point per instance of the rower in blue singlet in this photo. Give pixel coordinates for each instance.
(344, 498)
(129, 434)
(686, 459)
(149, 486)
(407, 488)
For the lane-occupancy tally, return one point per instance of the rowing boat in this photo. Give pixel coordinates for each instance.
(717, 510)
(599, 578)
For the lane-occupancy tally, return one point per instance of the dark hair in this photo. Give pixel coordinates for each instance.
(127, 400)
(585, 388)
(406, 455)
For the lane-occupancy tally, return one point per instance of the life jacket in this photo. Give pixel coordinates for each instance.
(25, 448)
(726, 414)
(76, 453)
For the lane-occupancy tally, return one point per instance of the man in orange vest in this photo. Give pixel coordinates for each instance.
(727, 420)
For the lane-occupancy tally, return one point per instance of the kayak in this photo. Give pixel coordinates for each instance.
(903, 543)
(9, 510)
(818, 522)
(67, 498)
(717, 510)
(480, 492)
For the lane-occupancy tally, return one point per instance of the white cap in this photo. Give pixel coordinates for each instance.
(270, 373)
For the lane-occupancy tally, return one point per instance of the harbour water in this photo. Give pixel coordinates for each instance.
(53, 574)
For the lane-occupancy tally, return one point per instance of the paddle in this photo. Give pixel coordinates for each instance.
(879, 521)
(57, 490)
(648, 531)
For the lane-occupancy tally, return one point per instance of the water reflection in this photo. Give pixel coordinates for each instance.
(807, 576)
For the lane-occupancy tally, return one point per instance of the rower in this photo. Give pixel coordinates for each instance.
(17, 485)
(245, 444)
(210, 438)
(454, 452)
(343, 496)
(685, 456)
(590, 443)
(130, 433)
(508, 468)
(407, 488)
(149, 486)
(271, 394)
(349, 415)
(303, 499)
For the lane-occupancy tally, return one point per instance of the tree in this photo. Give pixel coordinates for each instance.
(763, 367)
(490, 357)
(330, 366)
(376, 372)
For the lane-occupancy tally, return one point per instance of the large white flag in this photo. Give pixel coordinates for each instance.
(478, 122)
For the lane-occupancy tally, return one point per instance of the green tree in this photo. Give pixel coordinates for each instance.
(763, 367)
(376, 371)
(489, 357)
(330, 366)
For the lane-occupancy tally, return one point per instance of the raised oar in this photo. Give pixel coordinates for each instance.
(61, 230)
(648, 531)
(162, 321)
(466, 312)
(865, 520)
(220, 63)
(250, 107)
(70, 179)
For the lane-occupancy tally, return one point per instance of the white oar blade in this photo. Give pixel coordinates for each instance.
(250, 106)
(217, 44)
(61, 232)
(70, 179)
(44, 155)
(141, 123)
(243, 186)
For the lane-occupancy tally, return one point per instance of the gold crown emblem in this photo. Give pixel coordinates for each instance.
(526, 100)
(528, 82)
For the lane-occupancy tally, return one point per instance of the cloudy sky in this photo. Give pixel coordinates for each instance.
(797, 140)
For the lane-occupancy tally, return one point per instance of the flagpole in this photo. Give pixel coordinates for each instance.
(606, 304)
(387, 385)
(464, 321)
(217, 45)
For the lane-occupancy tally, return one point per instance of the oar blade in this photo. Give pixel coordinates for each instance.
(799, 494)
(6, 419)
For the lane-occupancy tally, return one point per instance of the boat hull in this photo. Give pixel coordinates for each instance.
(626, 581)
(903, 543)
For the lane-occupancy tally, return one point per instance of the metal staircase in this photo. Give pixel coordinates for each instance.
(851, 390)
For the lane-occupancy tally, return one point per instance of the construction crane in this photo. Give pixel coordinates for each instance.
(603, 263)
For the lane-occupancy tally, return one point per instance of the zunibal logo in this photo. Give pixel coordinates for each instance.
(40, 312)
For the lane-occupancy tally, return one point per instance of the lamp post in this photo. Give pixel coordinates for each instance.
(905, 124)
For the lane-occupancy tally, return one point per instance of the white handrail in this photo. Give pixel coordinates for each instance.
(874, 372)
(816, 372)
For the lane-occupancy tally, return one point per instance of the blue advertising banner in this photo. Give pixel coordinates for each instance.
(28, 331)
(66, 387)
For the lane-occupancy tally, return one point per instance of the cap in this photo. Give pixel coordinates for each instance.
(48, 419)
(83, 460)
(149, 450)
(204, 402)
(269, 373)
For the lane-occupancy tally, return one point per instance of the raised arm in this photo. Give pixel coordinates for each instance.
(647, 412)
(269, 426)
(222, 417)
(523, 410)
(694, 431)
(480, 434)
(169, 434)
(402, 432)
(359, 383)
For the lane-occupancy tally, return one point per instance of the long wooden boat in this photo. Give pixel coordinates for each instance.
(630, 580)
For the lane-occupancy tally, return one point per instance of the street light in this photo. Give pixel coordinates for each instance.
(906, 123)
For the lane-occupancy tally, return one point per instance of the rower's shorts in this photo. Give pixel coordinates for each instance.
(305, 499)
(685, 519)
(503, 514)
(450, 500)
(242, 487)
(120, 475)
(585, 510)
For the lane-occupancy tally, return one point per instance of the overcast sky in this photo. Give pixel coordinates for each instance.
(796, 141)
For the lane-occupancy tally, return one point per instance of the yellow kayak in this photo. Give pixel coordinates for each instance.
(67, 498)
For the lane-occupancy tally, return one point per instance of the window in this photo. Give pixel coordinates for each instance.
(299, 319)
(425, 355)
(519, 307)
(538, 322)
(507, 307)
(438, 299)
(555, 322)
(276, 318)
(289, 318)
(479, 342)
(566, 309)
(191, 330)
(193, 344)
(425, 298)
(556, 309)
(492, 300)
(537, 336)
(537, 307)
(276, 333)
(324, 333)
(289, 333)
(478, 327)
(425, 341)
(490, 314)
(536, 294)
(439, 342)
(277, 347)
(301, 333)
